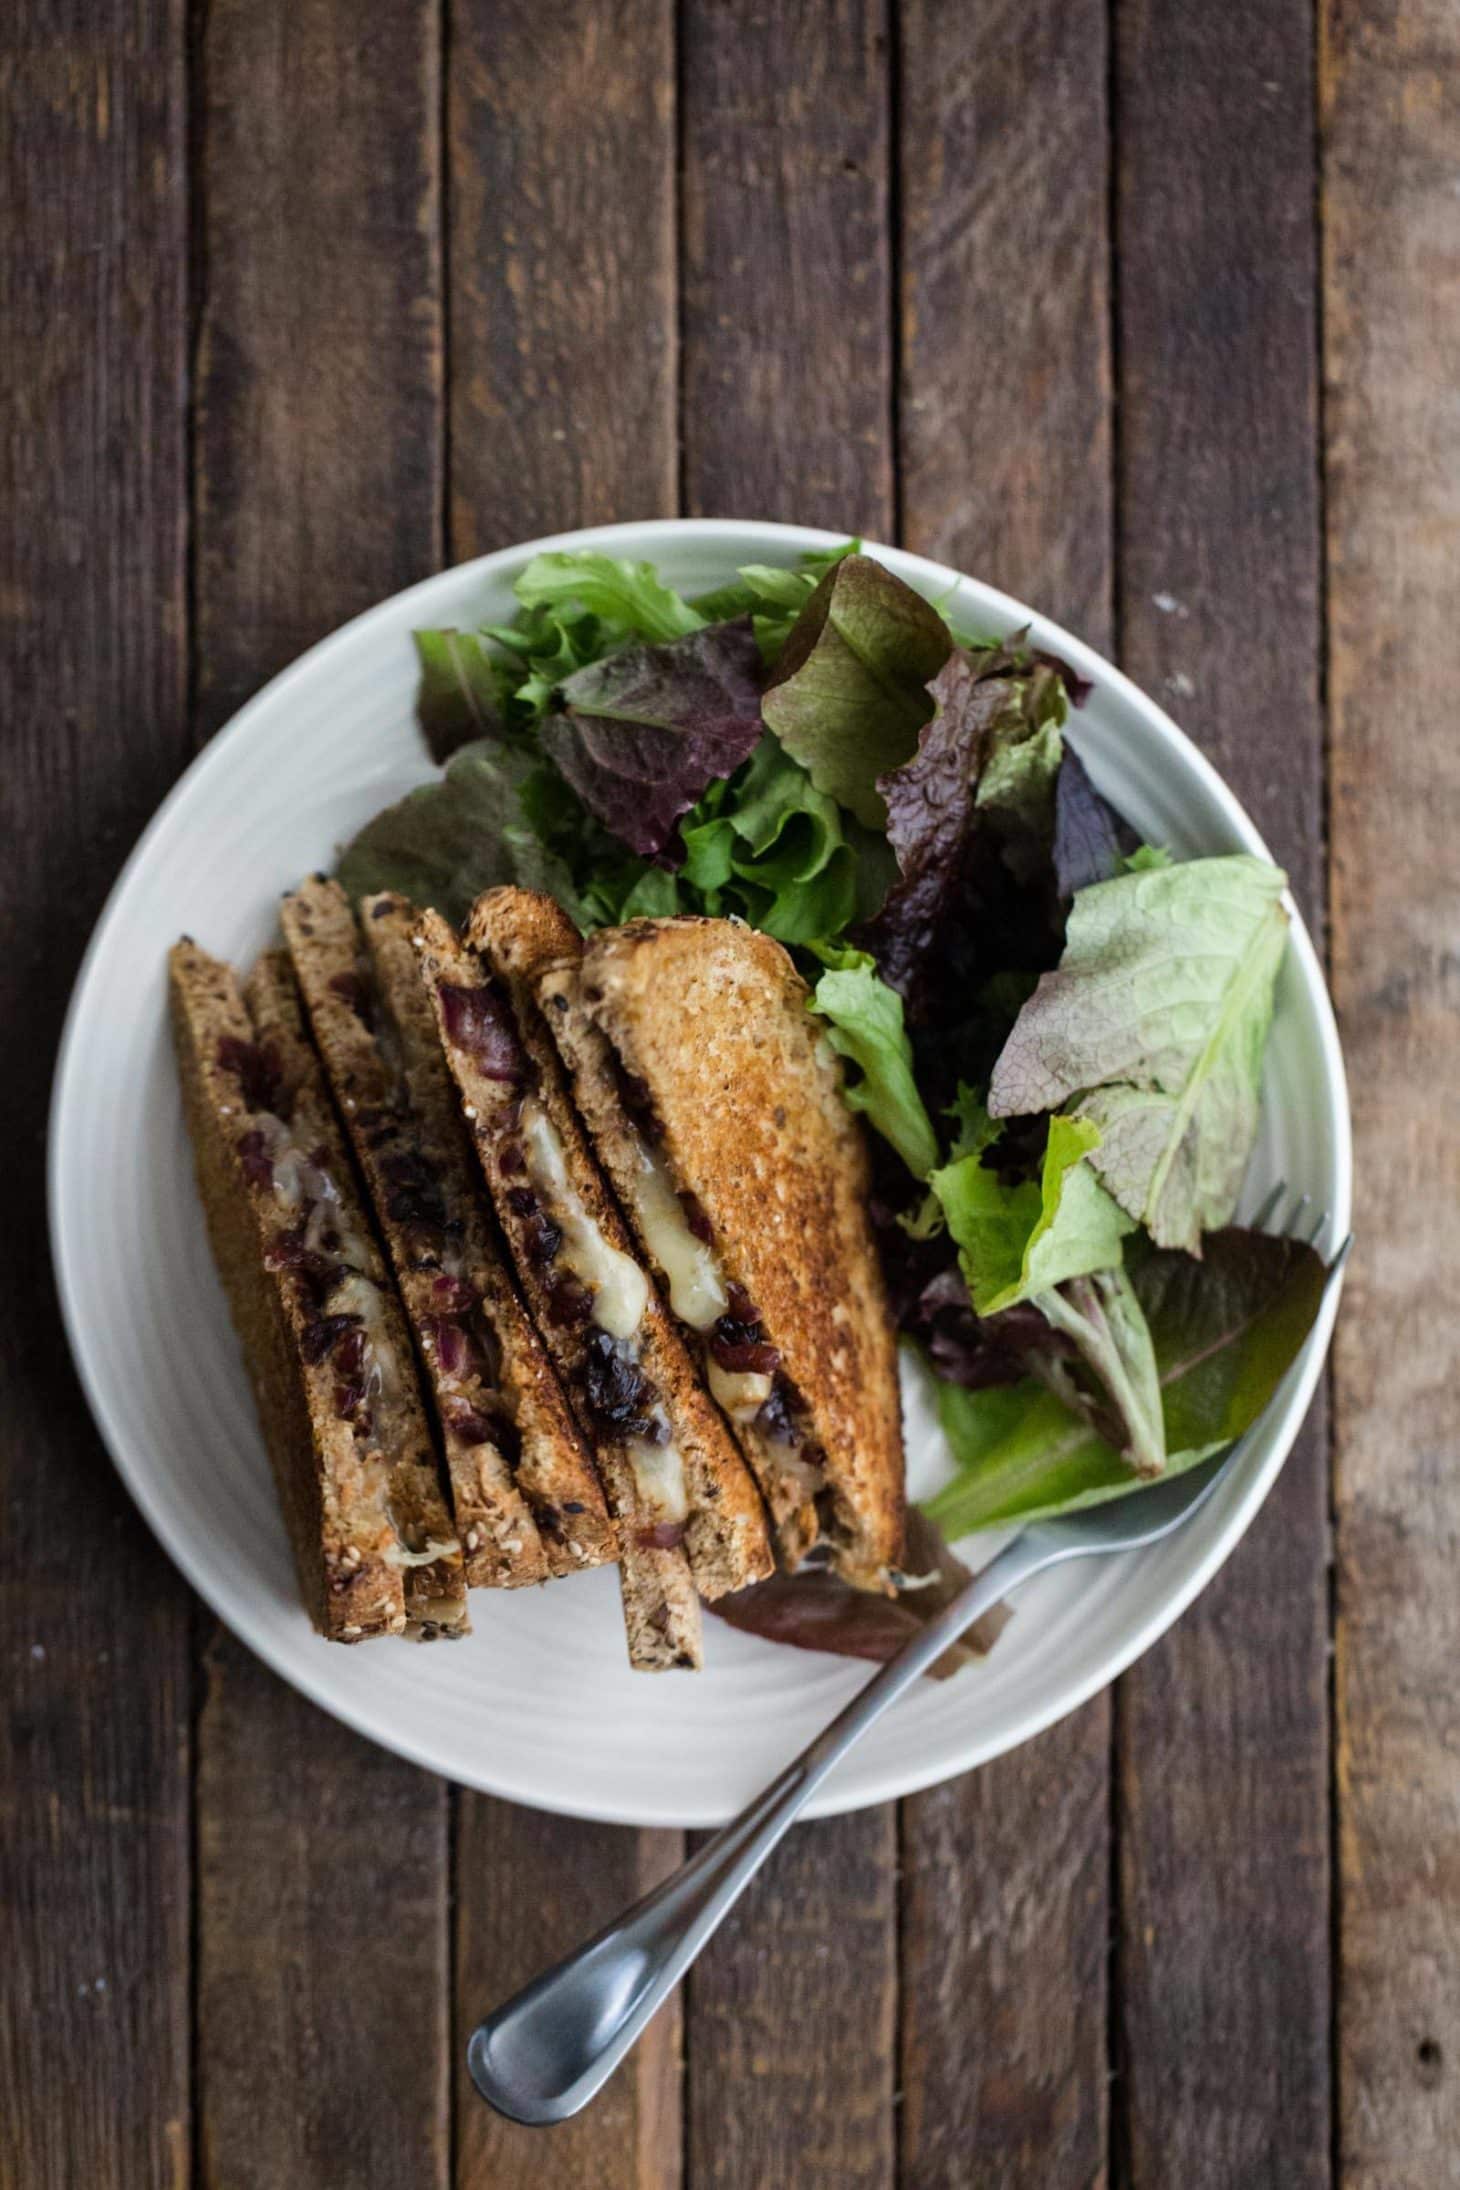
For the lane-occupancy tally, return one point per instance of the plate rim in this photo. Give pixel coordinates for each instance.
(1291, 1403)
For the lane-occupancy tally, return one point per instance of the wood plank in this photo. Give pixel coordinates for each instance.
(318, 418)
(561, 205)
(94, 1701)
(324, 2006)
(1006, 442)
(1005, 400)
(1223, 1977)
(787, 411)
(566, 1881)
(1392, 331)
(321, 2031)
(562, 391)
(786, 268)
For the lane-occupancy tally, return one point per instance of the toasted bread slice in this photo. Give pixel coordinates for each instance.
(322, 1335)
(588, 1295)
(672, 1235)
(518, 933)
(505, 1425)
(743, 1105)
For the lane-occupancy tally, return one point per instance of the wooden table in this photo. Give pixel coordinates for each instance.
(1152, 317)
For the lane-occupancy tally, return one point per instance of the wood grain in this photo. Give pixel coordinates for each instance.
(529, 1889)
(322, 2011)
(1391, 122)
(561, 220)
(561, 397)
(94, 1695)
(1005, 395)
(323, 1999)
(1223, 1985)
(786, 328)
(1006, 439)
(318, 416)
(787, 383)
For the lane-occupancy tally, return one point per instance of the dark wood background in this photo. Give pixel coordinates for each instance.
(1149, 313)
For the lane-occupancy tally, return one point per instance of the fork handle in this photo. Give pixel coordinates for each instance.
(545, 2053)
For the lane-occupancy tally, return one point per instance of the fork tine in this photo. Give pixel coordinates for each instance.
(1315, 1230)
(1262, 1216)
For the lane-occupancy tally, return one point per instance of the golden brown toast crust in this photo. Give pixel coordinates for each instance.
(618, 1143)
(660, 1604)
(332, 1499)
(428, 1206)
(712, 1016)
(520, 934)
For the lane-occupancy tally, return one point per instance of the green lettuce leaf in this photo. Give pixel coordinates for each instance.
(1016, 1241)
(629, 598)
(460, 693)
(849, 693)
(973, 1129)
(1156, 1019)
(1057, 1243)
(773, 596)
(1224, 1330)
(864, 1025)
(444, 844)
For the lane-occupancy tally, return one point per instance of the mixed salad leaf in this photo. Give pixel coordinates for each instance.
(1054, 1031)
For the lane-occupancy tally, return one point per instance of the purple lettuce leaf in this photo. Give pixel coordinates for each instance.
(641, 733)
(816, 1610)
(850, 690)
(1090, 839)
(970, 818)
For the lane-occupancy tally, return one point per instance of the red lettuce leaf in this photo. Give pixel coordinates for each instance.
(976, 893)
(1090, 839)
(641, 733)
(817, 1610)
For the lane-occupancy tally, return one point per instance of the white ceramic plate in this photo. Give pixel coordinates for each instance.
(539, 1705)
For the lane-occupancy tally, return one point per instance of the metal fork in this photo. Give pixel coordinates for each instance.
(544, 2054)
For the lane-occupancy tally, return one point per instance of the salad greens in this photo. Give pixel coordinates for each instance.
(1156, 1022)
(1054, 1031)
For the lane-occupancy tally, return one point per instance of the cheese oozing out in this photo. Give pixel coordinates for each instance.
(698, 1291)
(619, 1287)
(620, 1300)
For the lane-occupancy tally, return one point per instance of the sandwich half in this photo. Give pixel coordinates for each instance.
(718, 1114)
(323, 1336)
(527, 1500)
(690, 1521)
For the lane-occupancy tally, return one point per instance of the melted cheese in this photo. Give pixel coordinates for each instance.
(658, 1480)
(619, 1288)
(697, 1291)
(741, 1392)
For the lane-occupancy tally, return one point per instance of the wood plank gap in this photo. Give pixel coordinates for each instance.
(895, 362)
(1325, 950)
(447, 555)
(1117, 2116)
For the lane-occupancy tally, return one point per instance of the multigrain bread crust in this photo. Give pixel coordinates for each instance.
(520, 933)
(712, 1016)
(333, 1489)
(483, 1364)
(553, 1466)
(435, 1589)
